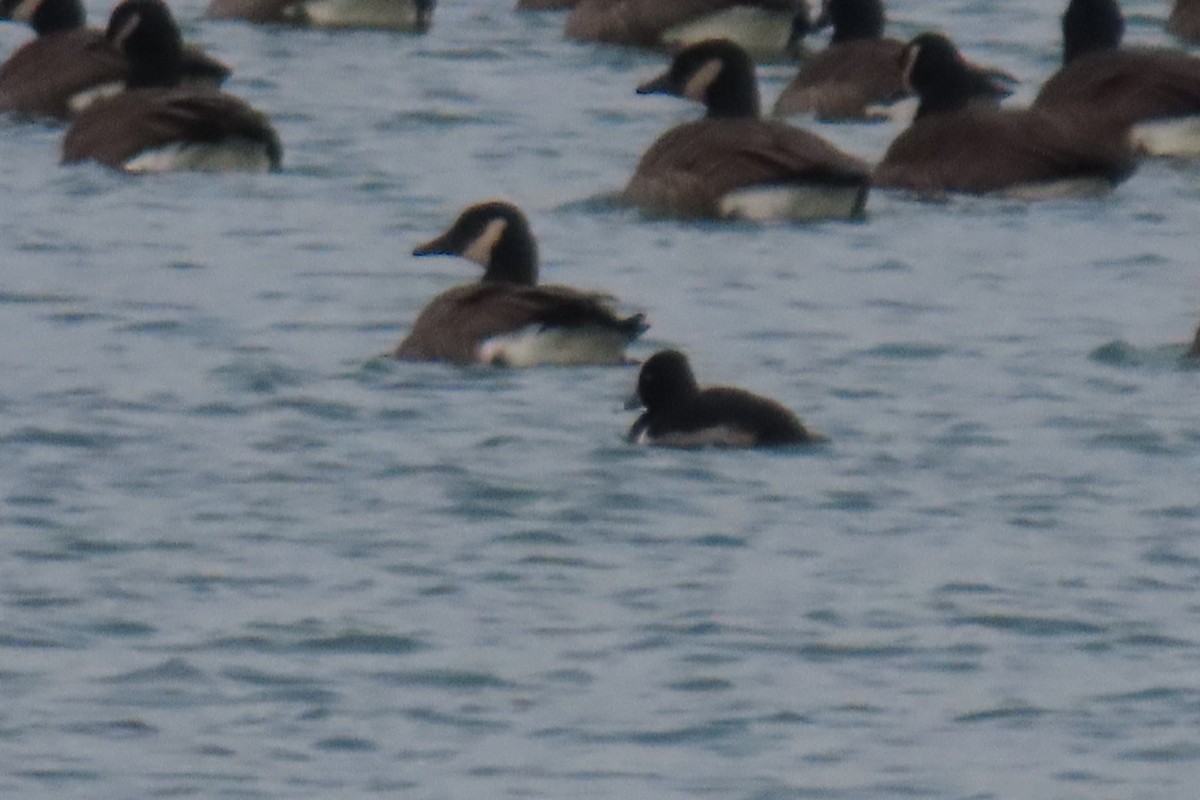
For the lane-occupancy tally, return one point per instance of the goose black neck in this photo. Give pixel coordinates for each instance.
(939, 76)
(53, 16)
(1090, 26)
(514, 259)
(856, 19)
(146, 33)
(734, 92)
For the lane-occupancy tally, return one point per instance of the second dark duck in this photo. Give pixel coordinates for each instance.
(69, 65)
(506, 318)
(1156, 90)
(954, 145)
(681, 414)
(732, 163)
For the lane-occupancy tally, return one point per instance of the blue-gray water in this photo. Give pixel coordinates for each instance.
(243, 556)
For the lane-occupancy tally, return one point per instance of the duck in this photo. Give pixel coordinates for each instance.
(1154, 90)
(678, 413)
(412, 16)
(763, 27)
(1184, 21)
(506, 318)
(955, 146)
(856, 73)
(68, 65)
(157, 124)
(734, 164)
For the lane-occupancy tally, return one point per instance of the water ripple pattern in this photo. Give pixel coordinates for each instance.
(244, 554)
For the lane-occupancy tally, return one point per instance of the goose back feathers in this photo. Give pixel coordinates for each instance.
(758, 25)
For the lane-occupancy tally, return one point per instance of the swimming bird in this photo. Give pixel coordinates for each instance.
(413, 16)
(1154, 90)
(954, 146)
(1184, 21)
(506, 318)
(859, 69)
(156, 124)
(68, 65)
(681, 414)
(732, 163)
(763, 27)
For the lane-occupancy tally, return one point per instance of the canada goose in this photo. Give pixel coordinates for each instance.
(156, 124)
(68, 65)
(506, 318)
(954, 146)
(763, 27)
(859, 69)
(414, 16)
(1153, 89)
(1184, 21)
(681, 414)
(732, 163)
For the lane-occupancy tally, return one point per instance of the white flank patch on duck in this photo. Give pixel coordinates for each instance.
(796, 203)
(536, 346)
(81, 100)
(235, 155)
(758, 31)
(1178, 137)
(716, 436)
(381, 14)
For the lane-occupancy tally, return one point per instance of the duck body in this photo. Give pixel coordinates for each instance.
(157, 124)
(1154, 91)
(681, 414)
(506, 319)
(68, 65)
(732, 163)
(956, 145)
(414, 16)
(763, 27)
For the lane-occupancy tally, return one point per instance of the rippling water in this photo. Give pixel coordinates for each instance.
(246, 556)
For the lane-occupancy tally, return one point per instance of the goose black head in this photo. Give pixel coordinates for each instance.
(45, 16)
(717, 73)
(852, 19)
(146, 33)
(1089, 26)
(666, 379)
(494, 235)
(936, 72)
